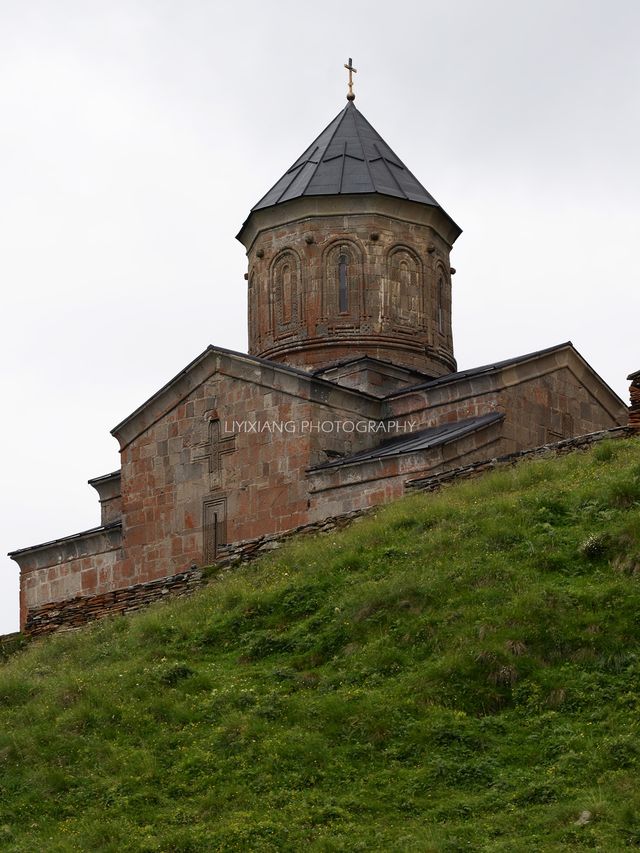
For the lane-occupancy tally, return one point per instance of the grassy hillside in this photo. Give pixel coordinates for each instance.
(460, 672)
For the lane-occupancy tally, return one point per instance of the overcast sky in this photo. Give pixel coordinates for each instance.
(137, 135)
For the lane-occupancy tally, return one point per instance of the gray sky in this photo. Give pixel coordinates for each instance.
(137, 135)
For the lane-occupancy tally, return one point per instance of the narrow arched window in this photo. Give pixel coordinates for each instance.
(404, 300)
(407, 292)
(343, 284)
(405, 276)
(284, 292)
(441, 305)
(287, 293)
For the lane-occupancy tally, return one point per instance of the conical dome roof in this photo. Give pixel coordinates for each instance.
(348, 157)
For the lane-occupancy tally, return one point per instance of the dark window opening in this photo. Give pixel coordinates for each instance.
(440, 305)
(343, 284)
(287, 293)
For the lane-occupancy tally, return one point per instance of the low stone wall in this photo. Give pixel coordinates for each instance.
(83, 609)
(251, 549)
(558, 448)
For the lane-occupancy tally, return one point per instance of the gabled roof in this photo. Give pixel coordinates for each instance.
(348, 157)
(425, 439)
(199, 369)
(479, 371)
(487, 369)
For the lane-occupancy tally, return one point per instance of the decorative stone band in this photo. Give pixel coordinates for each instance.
(67, 615)
(634, 409)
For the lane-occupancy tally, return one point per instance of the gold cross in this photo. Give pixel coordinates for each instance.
(352, 71)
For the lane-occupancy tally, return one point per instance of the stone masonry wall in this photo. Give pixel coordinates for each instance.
(188, 480)
(634, 409)
(79, 565)
(347, 488)
(399, 282)
(83, 609)
(543, 401)
(80, 610)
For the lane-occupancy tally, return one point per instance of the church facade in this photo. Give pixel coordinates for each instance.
(350, 389)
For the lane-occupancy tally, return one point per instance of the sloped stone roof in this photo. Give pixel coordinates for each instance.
(424, 439)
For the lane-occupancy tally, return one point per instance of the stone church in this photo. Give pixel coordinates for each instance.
(350, 389)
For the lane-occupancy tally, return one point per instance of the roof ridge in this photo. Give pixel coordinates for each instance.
(366, 161)
(295, 162)
(459, 375)
(402, 163)
(386, 165)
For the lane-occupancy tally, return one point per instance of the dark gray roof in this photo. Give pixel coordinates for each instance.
(425, 439)
(476, 371)
(348, 157)
(635, 375)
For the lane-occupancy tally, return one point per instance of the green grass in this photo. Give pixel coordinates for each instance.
(459, 672)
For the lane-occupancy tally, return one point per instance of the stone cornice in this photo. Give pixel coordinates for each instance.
(107, 486)
(312, 207)
(85, 544)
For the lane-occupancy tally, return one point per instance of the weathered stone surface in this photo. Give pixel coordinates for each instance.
(75, 565)
(80, 610)
(634, 409)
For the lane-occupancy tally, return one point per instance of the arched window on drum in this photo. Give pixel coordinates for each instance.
(341, 285)
(285, 285)
(440, 300)
(405, 282)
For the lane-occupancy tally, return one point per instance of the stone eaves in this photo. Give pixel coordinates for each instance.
(97, 540)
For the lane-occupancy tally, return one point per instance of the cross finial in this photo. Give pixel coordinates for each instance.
(352, 71)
